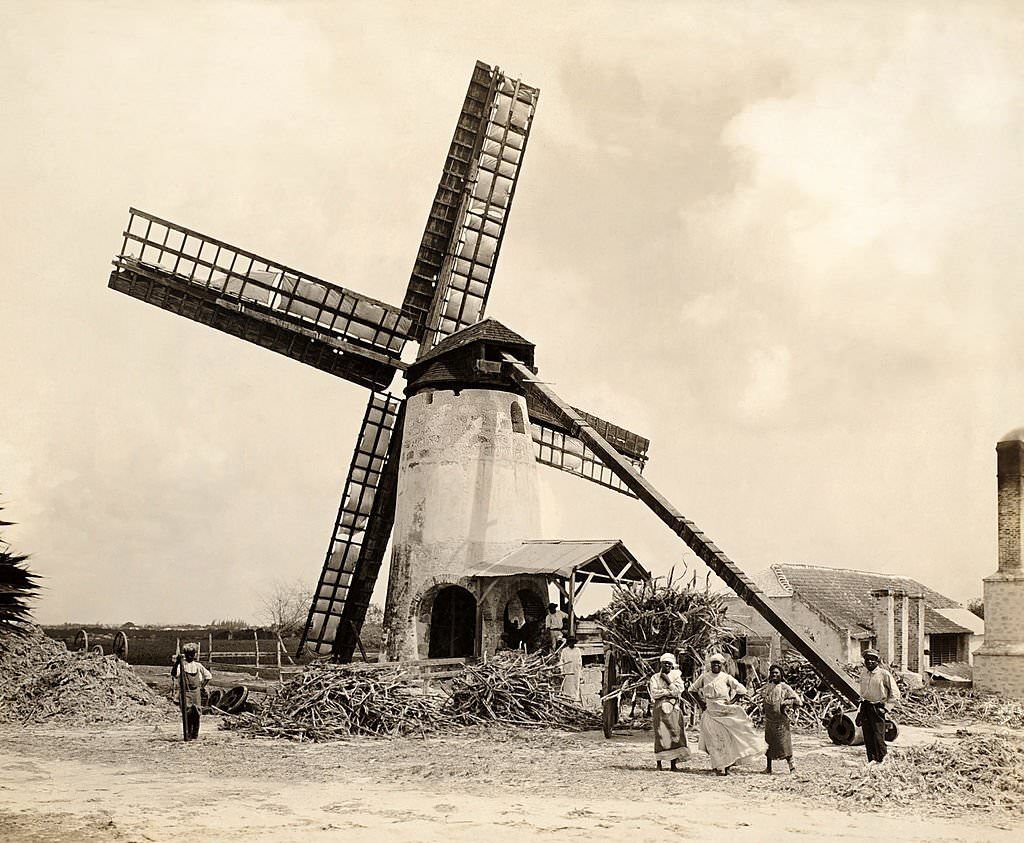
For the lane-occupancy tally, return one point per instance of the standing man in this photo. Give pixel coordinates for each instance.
(877, 690)
(570, 659)
(196, 678)
(553, 624)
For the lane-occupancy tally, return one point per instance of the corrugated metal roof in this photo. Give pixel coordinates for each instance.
(558, 558)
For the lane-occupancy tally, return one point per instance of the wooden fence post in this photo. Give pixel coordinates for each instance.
(256, 638)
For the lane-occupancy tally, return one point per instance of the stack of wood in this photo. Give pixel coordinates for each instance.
(516, 689)
(328, 702)
(646, 619)
(40, 680)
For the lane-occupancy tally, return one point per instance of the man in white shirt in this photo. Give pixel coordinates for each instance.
(877, 690)
(553, 624)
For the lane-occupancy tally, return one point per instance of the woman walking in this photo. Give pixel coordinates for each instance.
(665, 688)
(777, 699)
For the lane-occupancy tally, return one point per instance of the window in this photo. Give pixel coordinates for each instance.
(517, 418)
(943, 648)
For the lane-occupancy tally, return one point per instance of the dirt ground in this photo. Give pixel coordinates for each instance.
(142, 783)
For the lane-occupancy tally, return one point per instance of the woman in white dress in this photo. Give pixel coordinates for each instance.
(726, 733)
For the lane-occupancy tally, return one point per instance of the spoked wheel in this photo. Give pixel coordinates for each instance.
(97, 650)
(81, 640)
(121, 646)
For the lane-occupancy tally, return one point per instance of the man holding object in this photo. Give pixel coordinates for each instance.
(877, 690)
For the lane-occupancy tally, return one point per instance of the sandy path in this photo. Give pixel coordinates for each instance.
(141, 783)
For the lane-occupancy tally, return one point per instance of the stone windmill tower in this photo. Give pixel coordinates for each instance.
(451, 466)
(446, 472)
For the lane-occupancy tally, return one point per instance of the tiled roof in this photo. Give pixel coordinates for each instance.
(489, 330)
(845, 596)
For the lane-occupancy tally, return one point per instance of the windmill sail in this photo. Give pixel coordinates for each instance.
(712, 556)
(310, 320)
(451, 278)
(556, 445)
(361, 533)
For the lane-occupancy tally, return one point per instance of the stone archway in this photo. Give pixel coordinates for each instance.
(452, 623)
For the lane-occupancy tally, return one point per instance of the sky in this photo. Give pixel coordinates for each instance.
(782, 240)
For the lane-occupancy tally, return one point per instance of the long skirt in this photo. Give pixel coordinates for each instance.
(727, 735)
(571, 687)
(669, 737)
(778, 736)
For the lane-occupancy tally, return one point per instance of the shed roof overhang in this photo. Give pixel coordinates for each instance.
(599, 561)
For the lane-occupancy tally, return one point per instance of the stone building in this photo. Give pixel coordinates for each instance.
(999, 665)
(845, 612)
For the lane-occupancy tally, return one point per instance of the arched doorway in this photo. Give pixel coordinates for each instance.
(452, 624)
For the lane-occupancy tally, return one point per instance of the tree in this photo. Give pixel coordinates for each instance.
(284, 607)
(977, 605)
(17, 587)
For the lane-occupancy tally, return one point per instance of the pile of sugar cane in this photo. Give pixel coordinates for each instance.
(516, 689)
(329, 702)
(927, 706)
(649, 618)
(41, 681)
(972, 772)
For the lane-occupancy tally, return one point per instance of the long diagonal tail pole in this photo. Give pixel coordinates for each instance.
(694, 538)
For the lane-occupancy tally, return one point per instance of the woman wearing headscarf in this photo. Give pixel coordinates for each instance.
(666, 688)
(726, 733)
(777, 698)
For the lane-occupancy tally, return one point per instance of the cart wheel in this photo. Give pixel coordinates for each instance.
(97, 650)
(214, 698)
(233, 700)
(121, 646)
(81, 640)
(892, 731)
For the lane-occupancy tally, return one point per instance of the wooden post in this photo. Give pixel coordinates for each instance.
(279, 658)
(256, 638)
(210, 656)
(572, 601)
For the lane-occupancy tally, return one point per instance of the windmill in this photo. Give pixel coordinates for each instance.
(447, 472)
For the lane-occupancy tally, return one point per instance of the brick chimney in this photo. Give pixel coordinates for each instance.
(915, 634)
(999, 664)
(884, 621)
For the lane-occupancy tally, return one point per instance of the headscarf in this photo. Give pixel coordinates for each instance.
(668, 657)
(716, 657)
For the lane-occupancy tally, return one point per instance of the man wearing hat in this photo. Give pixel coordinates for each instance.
(196, 678)
(877, 690)
(666, 688)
